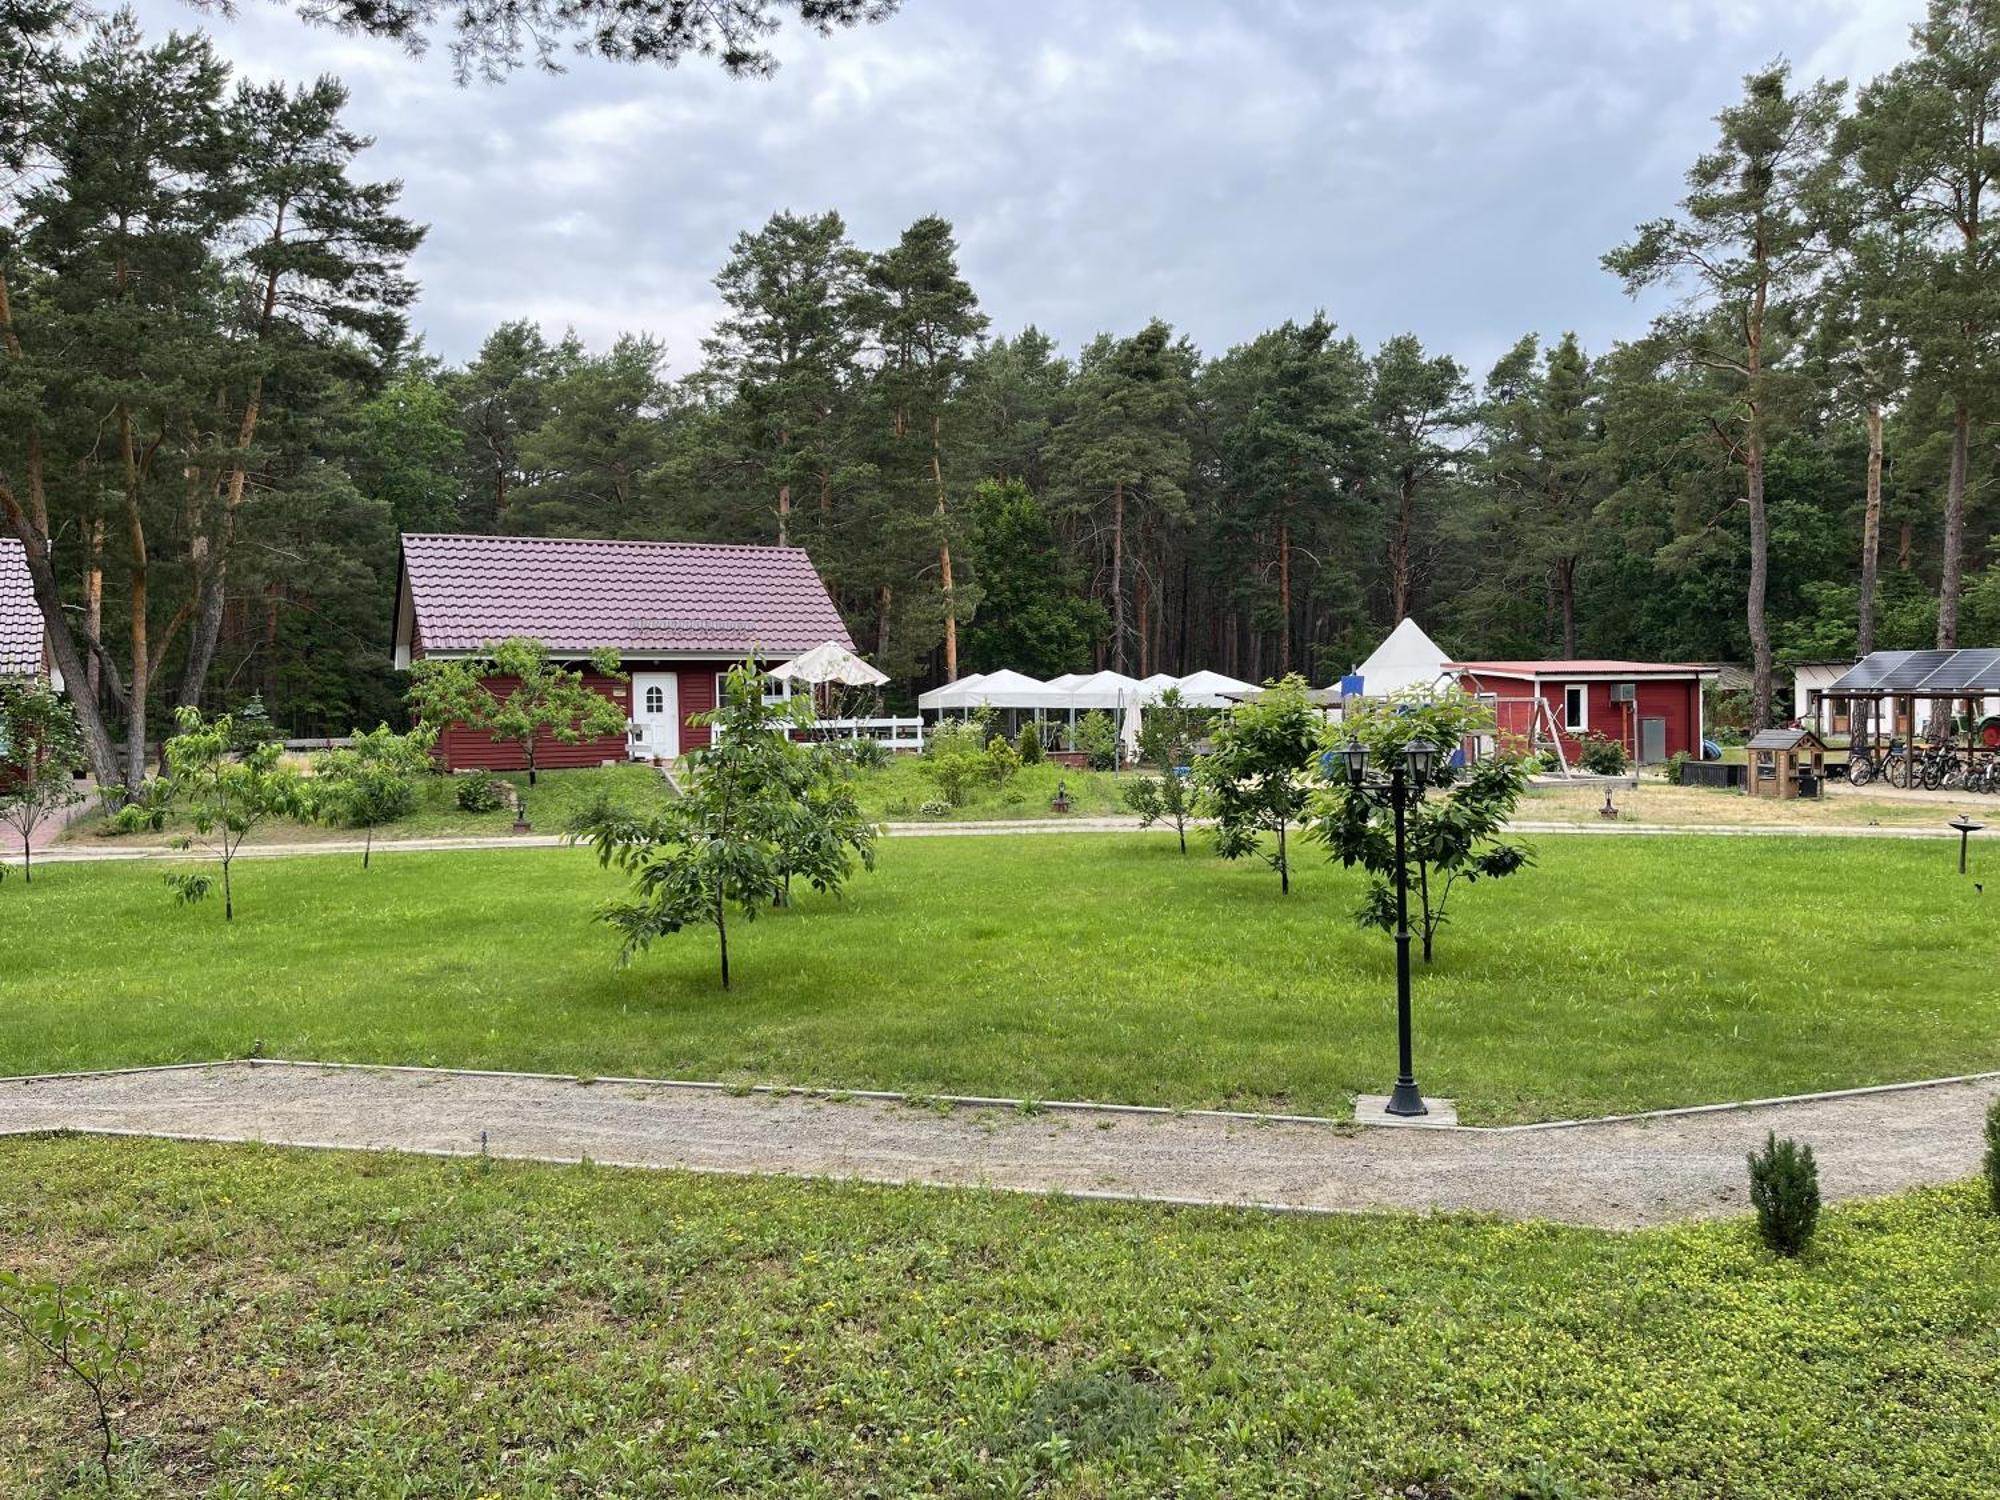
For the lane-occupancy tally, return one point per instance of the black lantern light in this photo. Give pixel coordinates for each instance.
(1418, 757)
(1356, 755)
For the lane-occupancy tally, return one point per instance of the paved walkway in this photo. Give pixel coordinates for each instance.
(1620, 1173)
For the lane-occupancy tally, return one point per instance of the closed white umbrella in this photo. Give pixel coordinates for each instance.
(1128, 736)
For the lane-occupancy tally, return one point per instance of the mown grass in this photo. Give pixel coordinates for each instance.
(361, 1327)
(1615, 974)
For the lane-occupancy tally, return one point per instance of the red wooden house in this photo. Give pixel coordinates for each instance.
(1652, 708)
(678, 614)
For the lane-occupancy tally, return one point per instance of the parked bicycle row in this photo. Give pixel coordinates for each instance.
(1944, 767)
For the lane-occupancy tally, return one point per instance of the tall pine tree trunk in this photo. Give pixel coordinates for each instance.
(1284, 595)
(1951, 580)
(1566, 603)
(1118, 576)
(944, 557)
(1400, 583)
(137, 566)
(1871, 534)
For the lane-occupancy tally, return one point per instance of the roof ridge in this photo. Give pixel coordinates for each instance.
(597, 541)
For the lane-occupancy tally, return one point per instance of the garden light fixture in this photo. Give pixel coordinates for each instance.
(1399, 791)
(1966, 829)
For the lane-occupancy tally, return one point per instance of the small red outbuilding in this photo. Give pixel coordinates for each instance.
(678, 614)
(1652, 708)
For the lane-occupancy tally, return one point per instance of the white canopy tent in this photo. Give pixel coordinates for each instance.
(830, 662)
(1406, 659)
(1104, 690)
(1010, 689)
(953, 695)
(1065, 682)
(1213, 689)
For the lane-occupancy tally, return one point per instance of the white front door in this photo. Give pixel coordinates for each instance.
(656, 709)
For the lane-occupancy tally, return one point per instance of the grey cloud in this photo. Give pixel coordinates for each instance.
(1447, 166)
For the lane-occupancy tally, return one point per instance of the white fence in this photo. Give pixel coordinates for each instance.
(896, 734)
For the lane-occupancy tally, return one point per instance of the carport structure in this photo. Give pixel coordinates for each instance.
(1889, 685)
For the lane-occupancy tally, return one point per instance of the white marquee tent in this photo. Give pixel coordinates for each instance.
(1407, 659)
(1213, 689)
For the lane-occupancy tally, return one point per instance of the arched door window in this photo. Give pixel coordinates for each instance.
(656, 701)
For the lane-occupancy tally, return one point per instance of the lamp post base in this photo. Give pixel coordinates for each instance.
(1405, 1100)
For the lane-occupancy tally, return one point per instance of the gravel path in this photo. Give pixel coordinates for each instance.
(1621, 1173)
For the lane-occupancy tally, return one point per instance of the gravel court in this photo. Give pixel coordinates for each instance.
(1620, 1173)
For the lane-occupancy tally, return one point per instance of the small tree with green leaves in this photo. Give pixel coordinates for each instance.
(1784, 1189)
(516, 694)
(1453, 837)
(84, 1334)
(1257, 778)
(722, 842)
(372, 779)
(41, 755)
(1167, 733)
(824, 832)
(223, 795)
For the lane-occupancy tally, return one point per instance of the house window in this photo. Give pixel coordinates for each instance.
(656, 701)
(1576, 716)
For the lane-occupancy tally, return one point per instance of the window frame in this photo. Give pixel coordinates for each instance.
(1581, 723)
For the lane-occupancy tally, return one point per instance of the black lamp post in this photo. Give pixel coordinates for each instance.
(1399, 791)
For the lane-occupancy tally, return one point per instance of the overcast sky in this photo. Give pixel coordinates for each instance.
(1452, 167)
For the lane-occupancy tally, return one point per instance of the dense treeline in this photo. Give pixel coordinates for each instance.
(215, 424)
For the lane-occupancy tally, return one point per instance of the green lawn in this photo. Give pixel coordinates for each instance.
(1615, 974)
(898, 792)
(356, 1327)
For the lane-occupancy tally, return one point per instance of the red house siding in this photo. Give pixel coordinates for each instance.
(463, 749)
(1676, 700)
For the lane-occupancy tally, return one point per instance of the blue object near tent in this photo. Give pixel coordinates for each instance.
(1457, 758)
(1710, 750)
(1350, 685)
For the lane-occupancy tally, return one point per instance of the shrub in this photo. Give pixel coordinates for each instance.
(1993, 1155)
(1097, 737)
(1601, 756)
(1029, 745)
(1784, 1189)
(481, 794)
(1676, 766)
(931, 807)
(867, 755)
(954, 772)
(1002, 761)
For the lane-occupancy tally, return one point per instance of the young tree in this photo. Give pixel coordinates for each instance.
(225, 796)
(721, 843)
(1744, 252)
(1258, 776)
(41, 755)
(516, 694)
(372, 779)
(824, 831)
(1168, 730)
(1453, 836)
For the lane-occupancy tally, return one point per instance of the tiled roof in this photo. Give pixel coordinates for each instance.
(20, 620)
(576, 595)
(1582, 668)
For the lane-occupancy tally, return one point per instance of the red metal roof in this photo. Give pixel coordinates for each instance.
(1581, 667)
(634, 597)
(20, 619)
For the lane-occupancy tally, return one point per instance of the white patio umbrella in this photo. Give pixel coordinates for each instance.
(831, 662)
(1213, 689)
(1128, 734)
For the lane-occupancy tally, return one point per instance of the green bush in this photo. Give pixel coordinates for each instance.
(1601, 756)
(933, 808)
(954, 771)
(1993, 1155)
(867, 755)
(1676, 765)
(1097, 737)
(481, 794)
(1002, 761)
(1029, 744)
(1784, 1189)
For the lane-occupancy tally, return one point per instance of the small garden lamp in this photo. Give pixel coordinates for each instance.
(1419, 755)
(1356, 755)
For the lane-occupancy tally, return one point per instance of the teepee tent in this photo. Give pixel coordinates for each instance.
(1407, 659)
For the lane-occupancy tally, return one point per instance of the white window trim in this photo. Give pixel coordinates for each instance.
(1581, 724)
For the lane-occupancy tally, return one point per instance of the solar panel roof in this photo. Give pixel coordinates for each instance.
(1924, 672)
(1912, 673)
(1867, 674)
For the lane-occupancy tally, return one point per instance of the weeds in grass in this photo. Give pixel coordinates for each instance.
(83, 1333)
